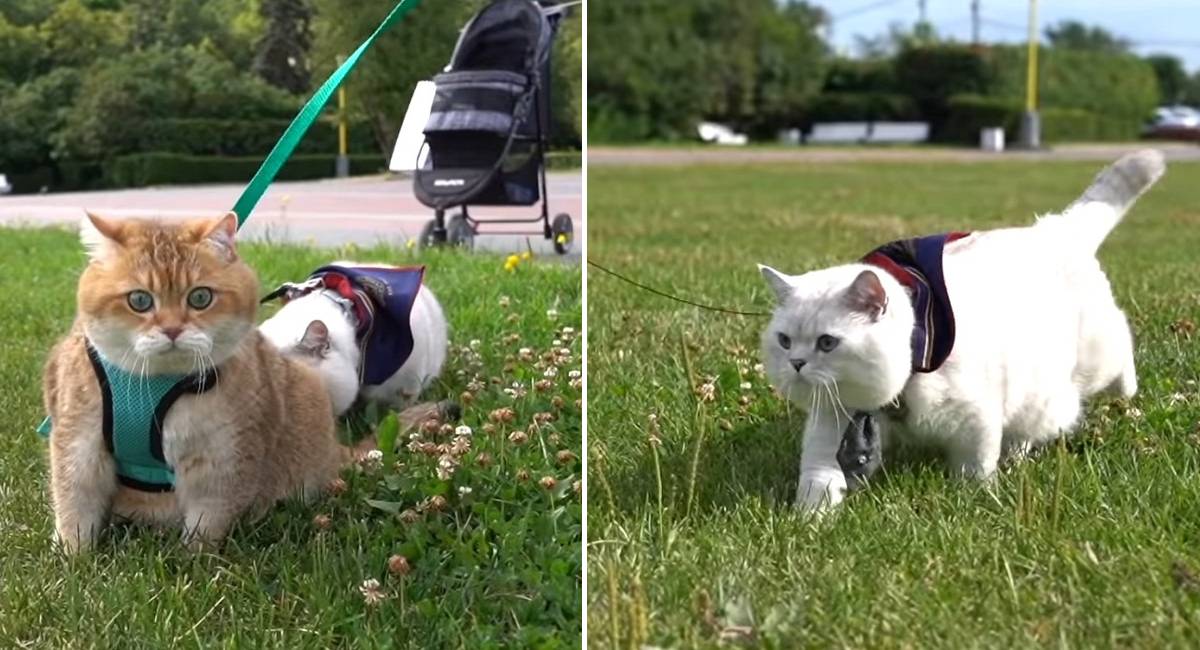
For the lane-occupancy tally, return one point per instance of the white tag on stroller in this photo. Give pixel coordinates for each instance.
(411, 142)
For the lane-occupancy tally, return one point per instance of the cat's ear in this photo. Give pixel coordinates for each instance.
(316, 339)
(221, 232)
(866, 295)
(778, 281)
(100, 236)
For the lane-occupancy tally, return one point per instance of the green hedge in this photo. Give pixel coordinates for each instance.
(971, 113)
(220, 137)
(860, 107)
(1122, 86)
(564, 160)
(140, 170)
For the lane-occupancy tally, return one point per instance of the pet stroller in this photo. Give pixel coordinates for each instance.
(487, 129)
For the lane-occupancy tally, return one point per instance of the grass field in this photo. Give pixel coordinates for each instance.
(692, 539)
(494, 552)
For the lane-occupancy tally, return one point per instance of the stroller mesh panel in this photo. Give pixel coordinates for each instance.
(475, 101)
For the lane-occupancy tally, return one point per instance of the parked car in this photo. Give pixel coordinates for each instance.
(5, 186)
(1174, 123)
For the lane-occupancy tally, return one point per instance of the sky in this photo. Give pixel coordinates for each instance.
(1166, 26)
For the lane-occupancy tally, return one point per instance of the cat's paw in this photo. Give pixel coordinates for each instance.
(818, 497)
(74, 542)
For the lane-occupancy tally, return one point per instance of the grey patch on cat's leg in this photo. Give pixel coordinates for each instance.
(860, 453)
(449, 411)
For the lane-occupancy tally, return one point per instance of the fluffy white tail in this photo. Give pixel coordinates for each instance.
(1086, 222)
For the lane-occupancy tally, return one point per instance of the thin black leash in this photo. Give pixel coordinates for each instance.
(672, 297)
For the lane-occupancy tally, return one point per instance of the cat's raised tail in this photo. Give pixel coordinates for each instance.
(1086, 222)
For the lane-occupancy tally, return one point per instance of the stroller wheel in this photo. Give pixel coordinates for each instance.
(459, 232)
(563, 232)
(429, 237)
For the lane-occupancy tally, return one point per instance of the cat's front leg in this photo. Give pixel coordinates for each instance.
(822, 482)
(83, 481)
(211, 499)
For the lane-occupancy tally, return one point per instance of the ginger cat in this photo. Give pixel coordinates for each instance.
(242, 428)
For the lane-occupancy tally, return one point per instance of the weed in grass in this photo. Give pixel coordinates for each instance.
(437, 544)
(1087, 543)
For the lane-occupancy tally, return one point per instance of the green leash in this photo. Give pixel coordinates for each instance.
(307, 116)
(295, 132)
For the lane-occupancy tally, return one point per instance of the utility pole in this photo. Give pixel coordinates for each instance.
(343, 158)
(921, 8)
(1031, 124)
(975, 22)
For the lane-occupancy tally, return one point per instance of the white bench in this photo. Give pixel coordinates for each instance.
(868, 132)
(899, 132)
(5, 187)
(838, 132)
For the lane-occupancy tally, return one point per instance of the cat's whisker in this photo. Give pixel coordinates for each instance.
(837, 396)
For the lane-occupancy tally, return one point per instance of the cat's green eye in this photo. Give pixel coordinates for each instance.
(784, 341)
(826, 343)
(200, 298)
(140, 301)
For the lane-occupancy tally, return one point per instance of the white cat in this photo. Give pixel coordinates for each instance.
(1032, 330)
(321, 326)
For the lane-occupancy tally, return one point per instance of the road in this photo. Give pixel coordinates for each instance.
(600, 156)
(363, 210)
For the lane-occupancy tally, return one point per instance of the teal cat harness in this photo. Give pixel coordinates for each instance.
(135, 407)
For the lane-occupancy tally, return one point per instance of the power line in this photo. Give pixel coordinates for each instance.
(865, 9)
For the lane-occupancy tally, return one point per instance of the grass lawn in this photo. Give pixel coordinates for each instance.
(693, 541)
(498, 566)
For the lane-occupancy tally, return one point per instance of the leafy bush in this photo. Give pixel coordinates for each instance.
(1121, 86)
(119, 96)
(931, 75)
(856, 75)
(860, 107)
(204, 136)
(140, 170)
(971, 113)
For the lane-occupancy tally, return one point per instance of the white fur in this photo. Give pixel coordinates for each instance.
(338, 366)
(1037, 330)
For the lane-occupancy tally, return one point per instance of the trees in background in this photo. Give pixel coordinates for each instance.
(83, 82)
(655, 67)
(282, 52)
(1074, 35)
(1172, 77)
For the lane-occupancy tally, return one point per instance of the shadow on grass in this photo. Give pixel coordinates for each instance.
(755, 461)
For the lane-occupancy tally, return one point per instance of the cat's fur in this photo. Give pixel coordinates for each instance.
(265, 431)
(1038, 330)
(315, 328)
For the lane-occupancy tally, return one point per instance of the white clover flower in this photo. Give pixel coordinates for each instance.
(475, 343)
(463, 490)
(758, 367)
(556, 343)
(575, 374)
(371, 592)
(463, 430)
(552, 314)
(551, 371)
(745, 385)
(504, 301)
(374, 455)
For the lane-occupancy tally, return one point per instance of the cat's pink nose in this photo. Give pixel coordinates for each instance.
(172, 332)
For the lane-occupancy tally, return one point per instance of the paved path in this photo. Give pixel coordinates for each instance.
(599, 156)
(363, 210)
